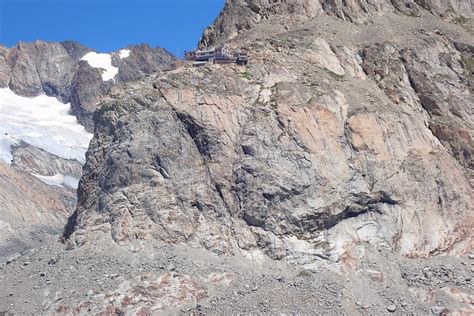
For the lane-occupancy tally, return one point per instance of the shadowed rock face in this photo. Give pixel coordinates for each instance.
(32, 212)
(55, 69)
(328, 141)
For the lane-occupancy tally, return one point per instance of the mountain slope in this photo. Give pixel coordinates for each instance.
(331, 175)
(239, 16)
(61, 69)
(301, 149)
(41, 85)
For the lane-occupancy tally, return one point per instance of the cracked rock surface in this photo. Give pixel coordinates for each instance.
(318, 147)
(331, 175)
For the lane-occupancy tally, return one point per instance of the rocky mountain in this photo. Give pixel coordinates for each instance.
(73, 73)
(42, 145)
(239, 16)
(331, 175)
(314, 144)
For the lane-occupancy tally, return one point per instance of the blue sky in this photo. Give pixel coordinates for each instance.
(107, 25)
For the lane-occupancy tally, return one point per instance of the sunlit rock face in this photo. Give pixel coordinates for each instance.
(331, 175)
(242, 15)
(335, 138)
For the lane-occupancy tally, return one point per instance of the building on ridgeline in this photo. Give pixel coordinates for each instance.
(219, 55)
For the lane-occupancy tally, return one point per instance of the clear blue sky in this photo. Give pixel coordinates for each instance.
(107, 25)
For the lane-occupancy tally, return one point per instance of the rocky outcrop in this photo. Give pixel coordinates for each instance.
(239, 16)
(436, 76)
(56, 69)
(40, 67)
(37, 161)
(39, 188)
(37, 194)
(343, 148)
(87, 88)
(314, 151)
(32, 213)
(142, 60)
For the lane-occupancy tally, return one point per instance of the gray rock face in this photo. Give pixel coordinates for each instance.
(322, 155)
(40, 67)
(32, 212)
(319, 148)
(38, 190)
(34, 209)
(55, 69)
(438, 75)
(87, 88)
(143, 60)
(242, 15)
(36, 161)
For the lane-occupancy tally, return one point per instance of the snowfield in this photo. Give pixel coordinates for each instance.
(124, 53)
(60, 180)
(43, 122)
(103, 61)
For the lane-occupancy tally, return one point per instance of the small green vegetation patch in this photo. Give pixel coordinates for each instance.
(246, 75)
(468, 61)
(461, 20)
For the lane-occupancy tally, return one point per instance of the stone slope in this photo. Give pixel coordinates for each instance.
(239, 16)
(177, 279)
(313, 152)
(32, 213)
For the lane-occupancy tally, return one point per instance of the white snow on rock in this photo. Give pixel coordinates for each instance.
(43, 122)
(103, 61)
(124, 53)
(60, 180)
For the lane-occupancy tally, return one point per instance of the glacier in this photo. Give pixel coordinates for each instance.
(43, 122)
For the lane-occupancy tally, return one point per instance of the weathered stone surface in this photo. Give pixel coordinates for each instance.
(87, 88)
(317, 174)
(436, 76)
(298, 156)
(32, 212)
(239, 16)
(143, 60)
(55, 69)
(36, 161)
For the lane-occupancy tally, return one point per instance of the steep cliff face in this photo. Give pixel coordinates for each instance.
(334, 137)
(59, 69)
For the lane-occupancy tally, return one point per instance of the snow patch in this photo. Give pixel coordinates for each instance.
(103, 61)
(124, 53)
(43, 122)
(60, 180)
